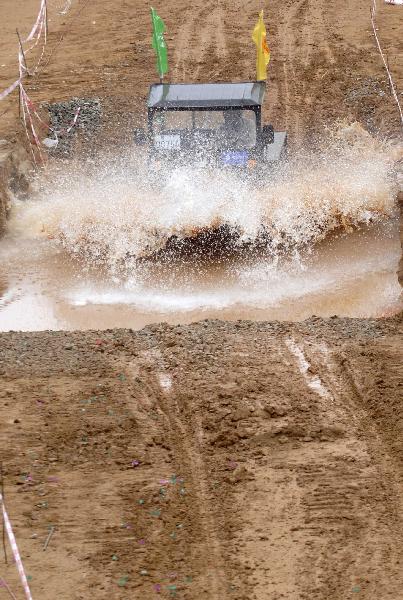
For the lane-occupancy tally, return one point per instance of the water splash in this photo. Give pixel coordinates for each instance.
(116, 210)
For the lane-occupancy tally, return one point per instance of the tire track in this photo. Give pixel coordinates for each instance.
(345, 495)
(201, 39)
(188, 454)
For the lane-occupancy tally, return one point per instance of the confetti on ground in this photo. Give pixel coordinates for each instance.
(142, 542)
(121, 377)
(158, 587)
(141, 501)
(135, 463)
(356, 588)
(114, 557)
(156, 512)
(143, 572)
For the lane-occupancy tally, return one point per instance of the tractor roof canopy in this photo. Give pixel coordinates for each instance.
(182, 96)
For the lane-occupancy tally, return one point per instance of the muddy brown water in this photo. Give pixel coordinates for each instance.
(354, 274)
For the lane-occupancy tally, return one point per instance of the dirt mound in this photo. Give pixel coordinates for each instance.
(246, 460)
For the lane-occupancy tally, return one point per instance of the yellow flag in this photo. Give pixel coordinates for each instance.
(262, 49)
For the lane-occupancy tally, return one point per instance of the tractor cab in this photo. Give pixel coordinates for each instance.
(218, 123)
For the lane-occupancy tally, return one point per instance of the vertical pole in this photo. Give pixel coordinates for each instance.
(46, 18)
(387, 64)
(22, 52)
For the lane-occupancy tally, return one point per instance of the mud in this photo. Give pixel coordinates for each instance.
(45, 288)
(15, 175)
(218, 460)
(268, 460)
(324, 65)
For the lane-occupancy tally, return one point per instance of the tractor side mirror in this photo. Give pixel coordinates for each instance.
(267, 135)
(140, 137)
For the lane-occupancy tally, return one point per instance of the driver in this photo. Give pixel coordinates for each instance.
(237, 130)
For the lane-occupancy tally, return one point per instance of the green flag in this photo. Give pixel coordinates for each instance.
(159, 44)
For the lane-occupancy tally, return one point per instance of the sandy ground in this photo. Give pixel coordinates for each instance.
(325, 64)
(269, 460)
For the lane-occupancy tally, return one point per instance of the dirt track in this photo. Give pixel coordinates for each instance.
(324, 66)
(270, 454)
(269, 460)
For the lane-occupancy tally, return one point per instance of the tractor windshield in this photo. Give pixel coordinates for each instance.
(229, 128)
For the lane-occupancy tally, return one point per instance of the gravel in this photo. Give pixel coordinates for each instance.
(61, 116)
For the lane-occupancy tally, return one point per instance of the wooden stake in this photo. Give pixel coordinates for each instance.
(46, 17)
(22, 52)
(387, 64)
(51, 532)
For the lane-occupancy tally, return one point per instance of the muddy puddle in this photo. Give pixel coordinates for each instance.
(351, 274)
